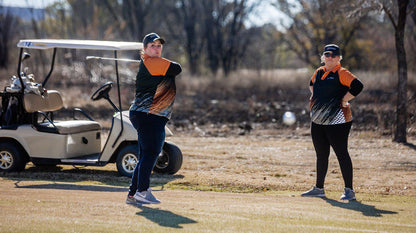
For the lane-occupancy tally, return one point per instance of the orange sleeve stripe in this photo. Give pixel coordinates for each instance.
(346, 77)
(157, 66)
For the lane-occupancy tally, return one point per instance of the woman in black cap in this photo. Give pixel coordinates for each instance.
(149, 113)
(332, 87)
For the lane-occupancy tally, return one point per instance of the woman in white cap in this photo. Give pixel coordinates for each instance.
(332, 87)
(149, 113)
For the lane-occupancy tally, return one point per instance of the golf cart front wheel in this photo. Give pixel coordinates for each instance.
(170, 159)
(11, 158)
(126, 160)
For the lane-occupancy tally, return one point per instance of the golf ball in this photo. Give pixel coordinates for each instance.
(289, 118)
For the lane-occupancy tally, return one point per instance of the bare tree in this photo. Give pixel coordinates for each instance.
(411, 29)
(225, 32)
(412, 40)
(267, 42)
(211, 23)
(397, 14)
(135, 13)
(7, 25)
(183, 19)
(314, 24)
(399, 23)
(107, 19)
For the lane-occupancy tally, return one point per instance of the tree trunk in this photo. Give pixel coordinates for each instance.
(193, 44)
(6, 34)
(210, 36)
(401, 117)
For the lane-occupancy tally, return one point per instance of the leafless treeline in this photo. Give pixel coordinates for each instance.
(217, 35)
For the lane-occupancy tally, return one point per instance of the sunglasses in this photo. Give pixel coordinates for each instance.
(330, 55)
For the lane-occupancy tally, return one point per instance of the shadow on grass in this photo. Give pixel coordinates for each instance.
(410, 145)
(366, 210)
(82, 174)
(164, 218)
(95, 188)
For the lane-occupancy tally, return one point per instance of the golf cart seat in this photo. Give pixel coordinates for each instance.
(49, 102)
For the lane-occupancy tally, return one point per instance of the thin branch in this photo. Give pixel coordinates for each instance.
(390, 15)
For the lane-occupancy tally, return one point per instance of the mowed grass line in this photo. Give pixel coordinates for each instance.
(47, 206)
(260, 178)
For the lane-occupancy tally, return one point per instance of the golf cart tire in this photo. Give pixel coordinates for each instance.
(125, 159)
(170, 160)
(12, 158)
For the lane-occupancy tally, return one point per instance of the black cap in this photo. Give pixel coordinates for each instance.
(152, 37)
(332, 48)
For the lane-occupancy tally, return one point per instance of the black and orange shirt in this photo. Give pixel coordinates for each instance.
(155, 86)
(329, 87)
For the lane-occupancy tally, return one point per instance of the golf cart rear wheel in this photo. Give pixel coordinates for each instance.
(170, 159)
(127, 160)
(11, 158)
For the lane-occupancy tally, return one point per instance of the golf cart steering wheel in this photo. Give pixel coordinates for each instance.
(102, 92)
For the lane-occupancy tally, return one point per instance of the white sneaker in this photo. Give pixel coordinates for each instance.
(146, 197)
(314, 192)
(132, 201)
(349, 195)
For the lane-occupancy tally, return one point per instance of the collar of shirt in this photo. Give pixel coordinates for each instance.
(335, 69)
(157, 66)
(145, 56)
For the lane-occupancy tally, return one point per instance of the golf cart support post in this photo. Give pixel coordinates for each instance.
(79, 44)
(24, 136)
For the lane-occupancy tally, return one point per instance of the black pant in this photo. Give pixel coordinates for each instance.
(336, 136)
(151, 136)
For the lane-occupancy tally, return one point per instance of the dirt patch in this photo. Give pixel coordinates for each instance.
(257, 179)
(261, 161)
(285, 160)
(251, 100)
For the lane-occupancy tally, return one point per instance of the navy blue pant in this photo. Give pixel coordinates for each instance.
(335, 136)
(151, 136)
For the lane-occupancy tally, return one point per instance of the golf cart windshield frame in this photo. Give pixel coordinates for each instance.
(44, 44)
(54, 44)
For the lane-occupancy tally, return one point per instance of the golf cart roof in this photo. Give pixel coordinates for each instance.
(79, 44)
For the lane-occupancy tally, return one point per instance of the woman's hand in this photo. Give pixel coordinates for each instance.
(345, 100)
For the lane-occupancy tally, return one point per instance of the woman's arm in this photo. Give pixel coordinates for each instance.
(174, 69)
(355, 89)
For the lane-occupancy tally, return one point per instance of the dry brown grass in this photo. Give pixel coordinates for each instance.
(274, 161)
(250, 183)
(258, 98)
(285, 160)
(261, 99)
(272, 156)
(265, 161)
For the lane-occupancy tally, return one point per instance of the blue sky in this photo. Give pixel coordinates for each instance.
(26, 3)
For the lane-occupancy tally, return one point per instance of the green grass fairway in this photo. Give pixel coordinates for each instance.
(47, 206)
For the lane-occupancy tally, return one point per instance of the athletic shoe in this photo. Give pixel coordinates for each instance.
(348, 195)
(146, 197)
(314, 192)
(132, 201)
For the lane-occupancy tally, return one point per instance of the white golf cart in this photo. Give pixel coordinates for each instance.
(29, 132)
